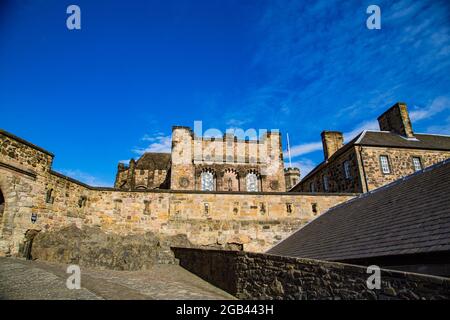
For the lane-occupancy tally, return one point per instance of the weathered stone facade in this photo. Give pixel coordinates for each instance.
(229, 160)
(357, 166)
(150, 172)
(291, 176)
(400, 160)
(38, 198)
(396, 119)
(263, 276)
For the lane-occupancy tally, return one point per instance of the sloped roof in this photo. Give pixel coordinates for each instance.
(390, 139)
(386, 139)
(154, 161)
(411, 215)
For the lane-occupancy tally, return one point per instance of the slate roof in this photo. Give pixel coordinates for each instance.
(411, 215)
(385, 139)
(154, 161)
(390, 139)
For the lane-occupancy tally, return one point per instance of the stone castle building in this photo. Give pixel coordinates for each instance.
(34, 198)
(211, 164)
(374, 158)
(216, 192)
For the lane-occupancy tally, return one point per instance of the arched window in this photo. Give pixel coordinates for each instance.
(252, 182)
(207, 179)
(230, 180)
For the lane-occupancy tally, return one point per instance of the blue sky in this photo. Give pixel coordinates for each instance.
(113, 89)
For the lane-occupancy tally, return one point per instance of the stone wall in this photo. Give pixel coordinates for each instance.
(365, 166)
(396, 119)
(334, 170)
(332, 141)
(400, 162)
(252, 221)
(262, 276)
(24, 155)
(191, 155)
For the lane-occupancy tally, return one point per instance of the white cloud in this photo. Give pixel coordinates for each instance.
(85, 177)
(305, 148)
(367, 125)
(159, 143)
(440, 129)
(438, 105)
(305, 165)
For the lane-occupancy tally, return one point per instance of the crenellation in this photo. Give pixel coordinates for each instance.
(195, 190)
(249, 220)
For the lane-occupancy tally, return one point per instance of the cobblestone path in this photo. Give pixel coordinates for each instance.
(22, 279)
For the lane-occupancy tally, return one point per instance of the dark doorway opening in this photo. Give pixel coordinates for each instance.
(27, 245)
(2, 205)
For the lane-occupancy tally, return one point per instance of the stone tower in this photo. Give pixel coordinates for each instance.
(182, 171)
(292, 177)
(226, 163)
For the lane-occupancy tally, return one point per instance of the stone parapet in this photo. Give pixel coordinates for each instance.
(249, 275)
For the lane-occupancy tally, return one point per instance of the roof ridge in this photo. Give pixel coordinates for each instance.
(364, 195)
(433, 134)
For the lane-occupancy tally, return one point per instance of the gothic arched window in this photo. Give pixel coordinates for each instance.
(252, 182)
(207, 179)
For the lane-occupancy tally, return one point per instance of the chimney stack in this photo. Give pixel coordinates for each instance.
(332, 141)
(396, 119)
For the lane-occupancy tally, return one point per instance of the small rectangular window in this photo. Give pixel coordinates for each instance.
(384, 161)
(289, 207)
(325, 183)
(417, 164)
(347, 170)
(312, 187)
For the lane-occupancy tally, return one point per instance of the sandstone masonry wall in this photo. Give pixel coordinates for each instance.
(261, 276)
(191, 155)
(252, 221)
(337, 182)
(400, 162)
(365, 166)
